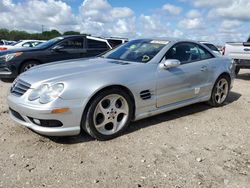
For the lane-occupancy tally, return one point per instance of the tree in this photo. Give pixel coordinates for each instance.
(71, 33)
(19, 35)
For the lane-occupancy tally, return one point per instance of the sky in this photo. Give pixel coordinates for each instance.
(216, 21)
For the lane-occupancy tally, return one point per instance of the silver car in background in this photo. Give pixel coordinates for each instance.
(139, 79)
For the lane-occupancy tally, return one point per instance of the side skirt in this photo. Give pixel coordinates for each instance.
(170, 107)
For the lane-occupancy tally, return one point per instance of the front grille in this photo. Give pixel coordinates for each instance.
(19, 87)
(16, 115)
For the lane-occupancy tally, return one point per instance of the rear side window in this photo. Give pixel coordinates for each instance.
(74, 43)
(204, 53)
(212, 47)
(97, 44)
(114, 43)
(1, 43)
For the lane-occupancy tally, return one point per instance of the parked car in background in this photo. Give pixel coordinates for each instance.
(212, 47)
(240, 53)
(136, 80)
(14, 62)
(5, 42)
(22, 44)
(116, 41)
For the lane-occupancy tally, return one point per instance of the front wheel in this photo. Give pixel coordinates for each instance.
(28, 65)
(108, 115)
(220, 91)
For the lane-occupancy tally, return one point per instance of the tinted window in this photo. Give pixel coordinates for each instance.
(188, 52)
(75, 43)
(184, 52)
(1, 43)
(212, 47)
(114, 43)
(97, 44)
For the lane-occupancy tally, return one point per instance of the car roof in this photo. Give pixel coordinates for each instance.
(205, 42)
(169, 39)
(70, 36)
(30, 40)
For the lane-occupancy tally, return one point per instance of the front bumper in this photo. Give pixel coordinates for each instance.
(7, 72)
(70, 120)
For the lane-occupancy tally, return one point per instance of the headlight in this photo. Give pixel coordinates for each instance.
(46, 93)
(36, 93)
(51, 94)
(9, 57)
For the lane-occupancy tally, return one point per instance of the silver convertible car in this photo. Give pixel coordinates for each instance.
(139, 79)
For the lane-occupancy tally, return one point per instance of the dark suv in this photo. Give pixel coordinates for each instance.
(14, 62)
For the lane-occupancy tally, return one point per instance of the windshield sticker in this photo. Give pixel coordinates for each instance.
(159, 42)
(145, 58)
(132, 47)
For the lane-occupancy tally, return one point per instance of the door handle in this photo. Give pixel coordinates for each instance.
(247, 49)
(204, 68)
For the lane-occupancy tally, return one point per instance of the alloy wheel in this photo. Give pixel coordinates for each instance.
(221, 91)
(29, 66)
(111, 114)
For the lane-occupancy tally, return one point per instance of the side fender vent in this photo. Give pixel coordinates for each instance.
(145, 94)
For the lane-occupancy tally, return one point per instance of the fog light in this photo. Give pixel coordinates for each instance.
(37, 121)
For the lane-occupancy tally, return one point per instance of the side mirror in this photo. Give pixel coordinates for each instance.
(57, 48)
(170, 63)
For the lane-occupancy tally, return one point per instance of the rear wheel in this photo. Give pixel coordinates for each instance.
(28, 65)
(108, 115)
(220, 91)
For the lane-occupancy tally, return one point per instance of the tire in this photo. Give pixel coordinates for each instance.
(220, 91)
(27, 65)
(237, 70)
(7, 80)
(108, 115)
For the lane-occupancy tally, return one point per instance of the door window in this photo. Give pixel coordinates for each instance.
(97, 44)
(184, 52)
(75, 43)
(188, 53)
(27, 44)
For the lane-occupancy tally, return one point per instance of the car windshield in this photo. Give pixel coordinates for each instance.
(137, 50)
(49, 43)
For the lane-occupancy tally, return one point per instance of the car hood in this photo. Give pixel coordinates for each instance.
(75, 69)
